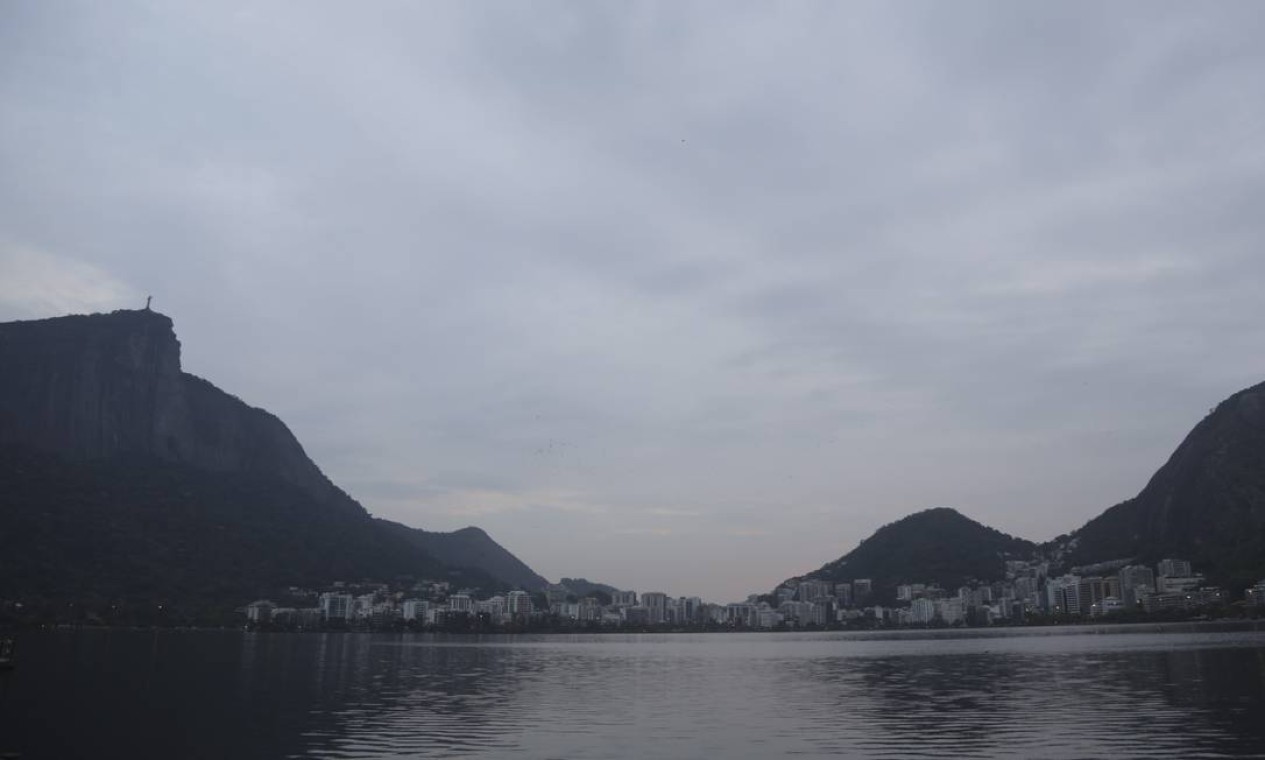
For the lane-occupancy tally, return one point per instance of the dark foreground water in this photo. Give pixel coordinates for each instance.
(1043, 693)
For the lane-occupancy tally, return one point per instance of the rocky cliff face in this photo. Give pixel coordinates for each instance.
(106, 385)
(122, 477)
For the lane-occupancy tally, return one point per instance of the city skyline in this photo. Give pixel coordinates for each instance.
(665, 291)
(1029, 594)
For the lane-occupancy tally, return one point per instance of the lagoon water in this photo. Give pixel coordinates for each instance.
(1116, 692)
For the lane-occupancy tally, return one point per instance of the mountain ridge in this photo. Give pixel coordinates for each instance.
(1206, 503)
(82, 394)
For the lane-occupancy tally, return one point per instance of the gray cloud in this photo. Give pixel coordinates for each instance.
(691, 296)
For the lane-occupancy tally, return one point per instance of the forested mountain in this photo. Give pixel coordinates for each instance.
(938, 545)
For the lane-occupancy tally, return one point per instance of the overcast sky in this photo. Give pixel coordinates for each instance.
(682, 296)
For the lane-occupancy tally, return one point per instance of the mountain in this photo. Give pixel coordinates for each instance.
(96, 386)
(940, 546)
(472, 548)
(126, 529)
(582, 587)
(1206, 504)
(123, 477)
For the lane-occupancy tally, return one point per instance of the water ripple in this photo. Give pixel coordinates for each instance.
(1054, 694)
(1050, 696)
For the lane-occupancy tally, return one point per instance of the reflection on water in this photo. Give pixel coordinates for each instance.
(1050, 694)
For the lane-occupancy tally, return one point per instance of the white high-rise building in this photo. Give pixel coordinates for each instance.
(1136, 581)
(589, 609)
(951, 610)
(336, 606)
(519, 603)
(1175, 568)
(1063, 595)
(922, 611)
(656, 604)
(746, 615)
(415, 609)
(811, 591)
(260, 611)
(362, 606)
(624, 599)
(494, 608)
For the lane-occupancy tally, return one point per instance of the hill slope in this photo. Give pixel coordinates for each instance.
(938, 545)
(583, 587)
(124, 529)
(472, 548)
(1207, 503)
(122, 476)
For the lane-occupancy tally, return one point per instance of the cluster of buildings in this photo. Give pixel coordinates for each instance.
(1171, 585)
(436, 605)
(814, 602)
(428, 603)
(1028, 592)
